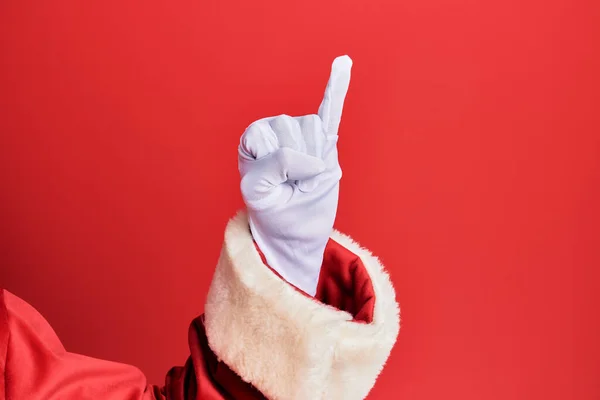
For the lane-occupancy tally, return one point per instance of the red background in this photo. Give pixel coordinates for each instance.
(470, 146)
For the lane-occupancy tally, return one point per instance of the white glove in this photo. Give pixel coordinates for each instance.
(290, 183)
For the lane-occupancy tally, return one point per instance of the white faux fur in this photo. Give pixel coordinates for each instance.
(286, 344)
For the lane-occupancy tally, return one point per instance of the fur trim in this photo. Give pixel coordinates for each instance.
(287, 345)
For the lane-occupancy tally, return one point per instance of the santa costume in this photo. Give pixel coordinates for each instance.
(295, 310)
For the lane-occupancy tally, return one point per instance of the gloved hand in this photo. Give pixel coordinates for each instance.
(290, 183)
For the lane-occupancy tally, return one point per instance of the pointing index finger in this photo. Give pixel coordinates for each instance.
(331, 107)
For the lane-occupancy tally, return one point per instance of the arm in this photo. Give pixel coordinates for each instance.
(258, 331)
(312, 316)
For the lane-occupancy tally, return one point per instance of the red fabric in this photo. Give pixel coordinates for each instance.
(344, 282)
(34, 364)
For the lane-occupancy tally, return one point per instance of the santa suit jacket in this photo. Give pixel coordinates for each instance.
(259, 338)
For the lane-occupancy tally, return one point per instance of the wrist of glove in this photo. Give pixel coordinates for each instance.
(290, 183)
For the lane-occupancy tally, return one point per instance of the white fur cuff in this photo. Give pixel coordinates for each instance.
(286, 344)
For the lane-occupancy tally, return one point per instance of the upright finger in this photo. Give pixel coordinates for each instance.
(331, 107)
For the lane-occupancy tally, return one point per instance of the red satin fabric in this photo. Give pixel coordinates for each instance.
(34, 364)
(343, 283)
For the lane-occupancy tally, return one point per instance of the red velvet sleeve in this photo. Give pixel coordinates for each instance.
(35, 365)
